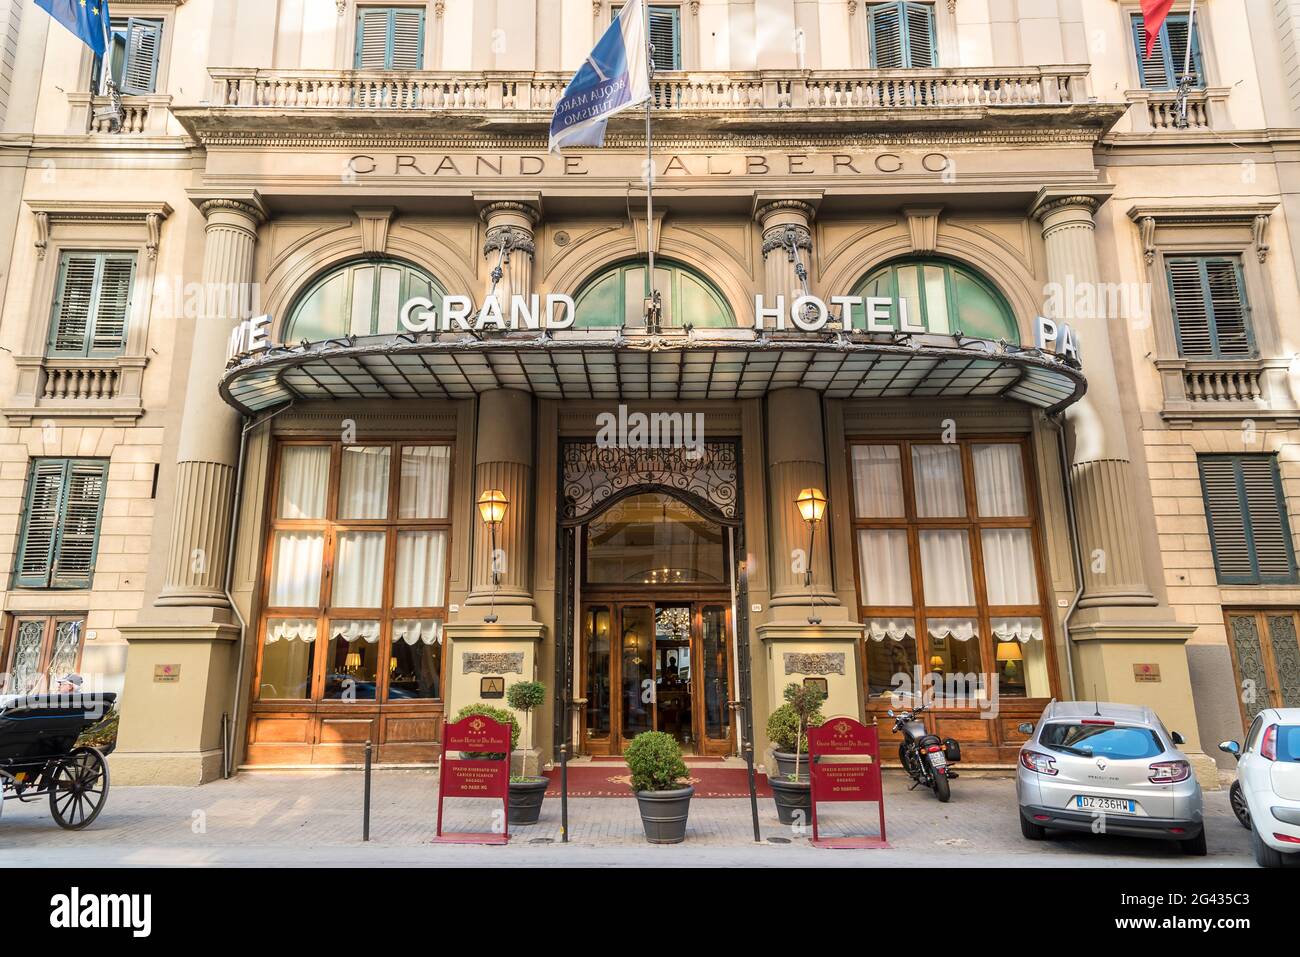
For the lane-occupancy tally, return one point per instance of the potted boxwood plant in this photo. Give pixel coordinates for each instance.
(658, 772)
(526, 790)
(787, 728)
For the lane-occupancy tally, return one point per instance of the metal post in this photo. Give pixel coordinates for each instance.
(564, 793)
(753, 789)
(365, 813)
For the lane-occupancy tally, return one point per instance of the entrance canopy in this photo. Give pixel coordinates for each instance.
(723, 364)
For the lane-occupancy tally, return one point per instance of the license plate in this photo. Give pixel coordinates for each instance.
(939, 759)
(1120, 805)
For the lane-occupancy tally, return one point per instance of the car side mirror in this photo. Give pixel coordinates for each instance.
(1230, 747)
(1177, 738)
(1026, 728)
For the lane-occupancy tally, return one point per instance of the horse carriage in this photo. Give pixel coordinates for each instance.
(39, 756)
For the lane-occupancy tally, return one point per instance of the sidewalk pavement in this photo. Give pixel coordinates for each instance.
(277, 818)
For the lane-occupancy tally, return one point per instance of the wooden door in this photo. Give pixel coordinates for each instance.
(1265, 659)
(713, 690)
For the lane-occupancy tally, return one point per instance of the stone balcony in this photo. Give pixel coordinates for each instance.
(249, 98)
(1228, 390)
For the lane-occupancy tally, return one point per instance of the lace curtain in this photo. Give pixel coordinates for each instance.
(304, 481)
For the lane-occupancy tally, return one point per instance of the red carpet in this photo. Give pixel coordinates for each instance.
(613, 780)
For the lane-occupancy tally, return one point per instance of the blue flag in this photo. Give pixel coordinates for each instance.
(88, 19)
(616, 77)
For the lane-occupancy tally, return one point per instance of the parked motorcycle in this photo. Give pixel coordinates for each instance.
(927, 760)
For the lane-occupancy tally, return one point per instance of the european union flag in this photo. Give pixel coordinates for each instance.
(88, 19)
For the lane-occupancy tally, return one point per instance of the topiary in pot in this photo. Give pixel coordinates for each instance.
(787, 727)
(659, 781)
(527, 791)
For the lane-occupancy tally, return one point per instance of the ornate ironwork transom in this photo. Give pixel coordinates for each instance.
(595, 477)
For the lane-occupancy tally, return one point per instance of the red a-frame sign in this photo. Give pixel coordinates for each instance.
(843, 779)
(484, 777)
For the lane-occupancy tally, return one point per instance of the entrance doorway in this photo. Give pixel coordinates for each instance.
(657, 665)
(1266, 658)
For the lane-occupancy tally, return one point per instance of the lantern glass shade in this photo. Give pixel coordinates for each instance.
(1010, 651)
(492, 506)
(812, 504)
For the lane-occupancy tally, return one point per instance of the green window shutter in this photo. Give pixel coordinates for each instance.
(1249, 532)
(407, 45)
(665, 37)
(140, 66)
(919, 21)
(887, 37)
(40, 523)
(1211, 315)
(390, 38)
(78, 539)
(1162, 69)
(372, 38)
(92, 304)
(1175, 32)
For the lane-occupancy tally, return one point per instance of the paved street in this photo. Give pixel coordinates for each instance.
(314, 817)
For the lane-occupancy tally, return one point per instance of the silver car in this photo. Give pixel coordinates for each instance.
(1108, 769)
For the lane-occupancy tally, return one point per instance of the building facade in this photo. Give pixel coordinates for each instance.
(1053, 425)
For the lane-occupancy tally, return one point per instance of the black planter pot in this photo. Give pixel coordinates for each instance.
(663, 814)
(785, 763)
(526, 800)
(793, 800)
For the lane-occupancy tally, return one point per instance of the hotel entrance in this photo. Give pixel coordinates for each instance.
(655, 634)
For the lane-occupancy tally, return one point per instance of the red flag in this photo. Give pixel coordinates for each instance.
(1153, 18)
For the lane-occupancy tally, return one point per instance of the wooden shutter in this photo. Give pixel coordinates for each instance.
(1175, 33)
(407, 47)
(887, 37)
(665, 37)
(112, 305)
(1249, 531)
(40, 523)
(919, 22)
(74, 554)
(73, 303)
(143, 42)
(1153, 70)
(372, 38)
(1211, 315)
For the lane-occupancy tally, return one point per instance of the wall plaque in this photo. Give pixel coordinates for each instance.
(492, 687)
(1146, 671)
(814, 662)
(166, 673)
(492, 662)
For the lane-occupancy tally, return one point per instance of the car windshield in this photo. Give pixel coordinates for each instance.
(1101, 740)
(1288, 742)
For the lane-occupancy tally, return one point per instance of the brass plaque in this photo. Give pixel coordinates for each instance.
(492, 687)
(1146, 672)
(166, 672)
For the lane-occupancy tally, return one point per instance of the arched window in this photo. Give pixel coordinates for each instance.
(942, 296)
(616, 297)
(360, 298)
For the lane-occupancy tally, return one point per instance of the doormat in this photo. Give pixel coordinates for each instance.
(614, 780)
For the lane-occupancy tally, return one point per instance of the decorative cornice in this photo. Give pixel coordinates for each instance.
(52, 211)
(1255, 216)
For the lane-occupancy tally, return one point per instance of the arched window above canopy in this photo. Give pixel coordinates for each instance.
(362, 298)
(616, 298)
(943, 296)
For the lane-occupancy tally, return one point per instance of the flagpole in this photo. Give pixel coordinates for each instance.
(1185, 81)
(653, 312)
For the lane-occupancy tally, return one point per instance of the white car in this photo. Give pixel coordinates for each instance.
(1268, 783)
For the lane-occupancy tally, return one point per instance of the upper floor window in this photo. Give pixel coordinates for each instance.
(60, 527)
(1249, 531)
(360, 299)
(665, 35)
(1161, 70)
(1211, 315)
(92, 304)
(390, 38)
(902, 35)
(616, 298)
(946, 298)
(133, 55)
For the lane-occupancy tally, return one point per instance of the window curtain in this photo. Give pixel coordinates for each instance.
(304, 481)
(878, 481)
(296, 569)
(946, 567)
(896, 629)
(359, 570)
(1027, 674)
(417, 631)
(999, 481)
(290, 629)
(936, 475)
(1009, 566)
(421, 569)
(426, 470)
(363, 486)
(353, 630)
(884, 566)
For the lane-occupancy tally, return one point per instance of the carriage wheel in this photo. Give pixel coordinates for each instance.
(78, 788)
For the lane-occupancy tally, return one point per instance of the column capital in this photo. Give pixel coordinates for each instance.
(783, 236)
(1055, 199)
(239, 203)
(795, 211)
(509, 209)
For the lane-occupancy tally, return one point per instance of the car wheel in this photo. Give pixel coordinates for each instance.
(1239, 806)
(1265, 856)
(1031, 831)
(1194, 847)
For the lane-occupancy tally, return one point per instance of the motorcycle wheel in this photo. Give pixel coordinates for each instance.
(942, 789)
(903, 760)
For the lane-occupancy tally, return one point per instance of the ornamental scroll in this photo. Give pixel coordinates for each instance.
(594, 476)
